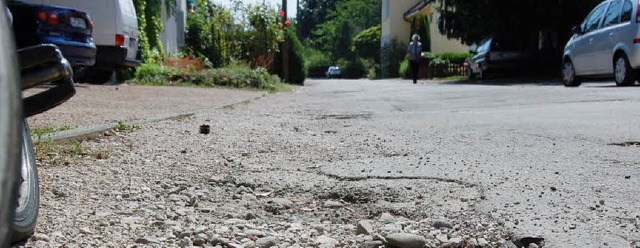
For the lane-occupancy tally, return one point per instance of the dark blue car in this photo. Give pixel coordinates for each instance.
(69, 29)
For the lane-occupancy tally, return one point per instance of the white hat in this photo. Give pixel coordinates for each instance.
(415, 36)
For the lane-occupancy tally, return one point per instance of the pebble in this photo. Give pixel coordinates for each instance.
(386, 218)
(267, 242)
(147, 240)
(442, 224)
(326, 242)
(482, 242)
(406, 240)
(364, 227)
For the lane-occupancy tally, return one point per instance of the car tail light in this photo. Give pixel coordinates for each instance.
(53, 18)
(119, 40)
(636, 41)
(43, 16)
(89, 23)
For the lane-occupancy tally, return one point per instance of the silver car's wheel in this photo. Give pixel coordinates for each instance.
(569, 78)
(28, 199)
(624, 75)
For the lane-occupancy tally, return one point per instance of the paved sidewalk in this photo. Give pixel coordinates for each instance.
(96, 108)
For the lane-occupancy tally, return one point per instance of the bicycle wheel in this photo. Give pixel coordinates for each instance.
(10, 116)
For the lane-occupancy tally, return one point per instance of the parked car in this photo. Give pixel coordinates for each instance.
(115, 34)
(606, 44)
(333, 72)
(494, 55)
(67, 28)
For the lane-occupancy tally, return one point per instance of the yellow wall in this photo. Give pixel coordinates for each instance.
(396, 27)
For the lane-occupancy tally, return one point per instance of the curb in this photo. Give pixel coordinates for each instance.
(83, 132)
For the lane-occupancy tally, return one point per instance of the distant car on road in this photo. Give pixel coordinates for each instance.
(69, 29)
(494, 55)
(333, 72)
(606, 44)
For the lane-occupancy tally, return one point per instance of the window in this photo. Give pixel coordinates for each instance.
(613, 14)
(593, 22)
(626, 11)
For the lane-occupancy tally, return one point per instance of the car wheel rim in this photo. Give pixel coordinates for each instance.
(568, 73)
(621, 70)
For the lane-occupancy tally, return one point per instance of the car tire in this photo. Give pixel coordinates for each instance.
(569, 78)
(624, 75)
(28, 198)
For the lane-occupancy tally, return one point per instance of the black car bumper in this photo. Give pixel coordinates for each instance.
(114, 57)
(77, 55)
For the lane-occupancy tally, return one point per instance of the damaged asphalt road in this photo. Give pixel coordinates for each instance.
(553, 166)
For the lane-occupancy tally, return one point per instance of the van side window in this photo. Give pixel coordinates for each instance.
(613, 14)
(627, 10)
(594, 19)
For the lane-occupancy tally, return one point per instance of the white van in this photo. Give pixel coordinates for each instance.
(115, 32)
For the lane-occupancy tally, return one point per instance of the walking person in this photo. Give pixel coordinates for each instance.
(415, 54)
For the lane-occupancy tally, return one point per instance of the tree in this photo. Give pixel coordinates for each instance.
(366, 44)
(343, 23)
(473, 21)
(312, 13)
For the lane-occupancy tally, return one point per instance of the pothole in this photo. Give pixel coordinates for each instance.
(626, 144)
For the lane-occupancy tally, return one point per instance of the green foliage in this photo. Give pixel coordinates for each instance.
(344, 21)
(420, 25)
(235, 76)
(404, 70)
(316, 62)
(205, 36)
(311, 14)
(353, 69)
(456, 58)
(393, 53)
(150, 26)
(122, 127)
(297, 71)
(366, 44)
(264, 36)
(472, 21)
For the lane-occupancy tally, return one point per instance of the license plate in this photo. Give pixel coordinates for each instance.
(78, 22)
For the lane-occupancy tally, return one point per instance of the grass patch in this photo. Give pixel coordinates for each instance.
(452, 78)
(39, 132)
(122, 127)
(51, 153)
(236, 76)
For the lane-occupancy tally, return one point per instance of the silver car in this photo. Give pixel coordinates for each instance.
(606, 44)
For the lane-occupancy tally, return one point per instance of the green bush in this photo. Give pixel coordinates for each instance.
(234, 76)
(404, 70)
(316, 61)
(366, 44)
(352, 69)
(456, 58)
(297, 72)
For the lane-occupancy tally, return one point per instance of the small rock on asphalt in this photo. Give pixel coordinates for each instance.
(267, 242)
(364, 227)
(406, 240)
(442, 224)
